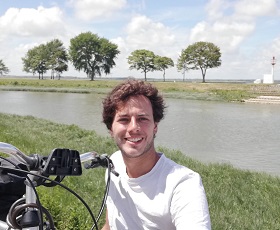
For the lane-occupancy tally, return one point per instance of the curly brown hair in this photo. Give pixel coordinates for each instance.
(122, 92)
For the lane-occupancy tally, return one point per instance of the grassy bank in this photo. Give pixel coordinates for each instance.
(187, 90)
(237, 199)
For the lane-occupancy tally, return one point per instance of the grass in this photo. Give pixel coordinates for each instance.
(198, 91)
(238, 199)
(39, 136)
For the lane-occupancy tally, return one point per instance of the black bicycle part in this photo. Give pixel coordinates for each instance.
(102, 161)
(106, 162)
(22, 170)
(58, 164)
(61, 185)
(12, 188)
(63, 162)
(23, 215)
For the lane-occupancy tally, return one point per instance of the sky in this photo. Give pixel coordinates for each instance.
(246, 31)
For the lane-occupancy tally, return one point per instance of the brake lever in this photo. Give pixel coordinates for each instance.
(101, 161)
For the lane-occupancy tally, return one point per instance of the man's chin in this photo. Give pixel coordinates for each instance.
(130, 153)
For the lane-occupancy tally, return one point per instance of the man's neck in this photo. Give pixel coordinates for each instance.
(136, 167)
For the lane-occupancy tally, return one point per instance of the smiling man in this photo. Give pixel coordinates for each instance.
(152, 191)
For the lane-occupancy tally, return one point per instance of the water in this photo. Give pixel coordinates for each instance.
(244, 135)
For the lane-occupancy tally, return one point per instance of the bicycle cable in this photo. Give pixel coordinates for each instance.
(105, 193)
(32, 186)
(57, 183)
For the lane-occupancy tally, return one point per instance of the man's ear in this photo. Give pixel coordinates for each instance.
(111, 132)
(156, 128)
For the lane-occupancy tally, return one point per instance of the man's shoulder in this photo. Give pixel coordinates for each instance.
(177, 169)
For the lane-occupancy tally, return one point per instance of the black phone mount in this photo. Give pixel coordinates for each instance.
(63, 162)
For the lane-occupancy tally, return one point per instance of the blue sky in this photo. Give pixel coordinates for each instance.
(247, 31)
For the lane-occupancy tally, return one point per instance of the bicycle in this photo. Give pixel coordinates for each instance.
(20, 174)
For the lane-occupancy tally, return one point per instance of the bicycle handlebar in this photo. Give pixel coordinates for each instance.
(61, 162)
(13, 151)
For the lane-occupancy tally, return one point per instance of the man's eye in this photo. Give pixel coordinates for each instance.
(143, 119)
(122, 119)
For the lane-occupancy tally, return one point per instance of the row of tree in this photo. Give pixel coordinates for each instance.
(200, 55)
(94, 55)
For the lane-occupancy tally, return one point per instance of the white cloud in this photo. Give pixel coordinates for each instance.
(228, 35)
(216, 9)
(144, 33)
(24, 28)
(262, 58)
(243, 29)
(28, 22)
(256, 8)
(231, 23)
(92, 9)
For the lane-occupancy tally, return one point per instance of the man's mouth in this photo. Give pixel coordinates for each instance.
(134, 140)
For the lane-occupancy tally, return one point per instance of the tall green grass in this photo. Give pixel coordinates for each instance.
(238, 199)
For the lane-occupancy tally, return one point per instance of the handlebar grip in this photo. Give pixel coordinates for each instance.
(14, 151)
(88, 156)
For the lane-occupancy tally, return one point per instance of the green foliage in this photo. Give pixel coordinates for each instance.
(142, 60)
(200, 55)
(92, 54)
(58, 58)
(49, 56)
(163, 63)
(3, 68)
(232, 95)
(35, 60)
(147, 61)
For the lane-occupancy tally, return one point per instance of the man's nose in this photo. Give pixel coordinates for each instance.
(133, 124)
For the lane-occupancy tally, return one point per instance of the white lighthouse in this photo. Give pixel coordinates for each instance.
(269, 78)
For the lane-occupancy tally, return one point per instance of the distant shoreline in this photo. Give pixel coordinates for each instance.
(209, 91)
(194, 80)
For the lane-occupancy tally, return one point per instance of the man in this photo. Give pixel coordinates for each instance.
(152, 191)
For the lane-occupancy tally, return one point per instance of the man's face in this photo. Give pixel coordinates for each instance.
(133, 127)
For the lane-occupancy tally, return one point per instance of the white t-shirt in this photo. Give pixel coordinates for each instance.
(169, 197)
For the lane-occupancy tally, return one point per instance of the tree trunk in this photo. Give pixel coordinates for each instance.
(203, 75)
(92, 76)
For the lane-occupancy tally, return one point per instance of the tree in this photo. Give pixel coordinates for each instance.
(92, 54)
(200, 55)
(142, 60)
(50, 56)
(57, 57)
(3, 68)
(163, 63)
(35, 61)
